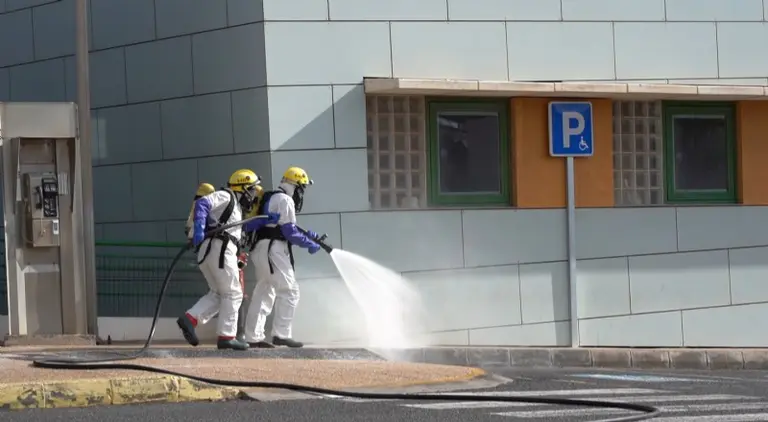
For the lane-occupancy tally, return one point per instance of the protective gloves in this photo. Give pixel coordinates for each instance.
(273, 217)
(202, 211)
(313, 248)
(298, 237)
(255, 225)
(199, 234)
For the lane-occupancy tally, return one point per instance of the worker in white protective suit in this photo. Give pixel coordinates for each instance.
(272, 257)
(203, 189)
(217, 256)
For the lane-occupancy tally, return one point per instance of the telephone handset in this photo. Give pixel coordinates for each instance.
(47, 197)
(41, 197)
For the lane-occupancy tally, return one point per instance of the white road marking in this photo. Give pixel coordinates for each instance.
(571, 392)
(744, 417)
(631, 399)
(562, 413)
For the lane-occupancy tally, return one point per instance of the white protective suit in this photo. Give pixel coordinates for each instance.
(278, 289)
(190, 222)
(225, 294)
(204, 317)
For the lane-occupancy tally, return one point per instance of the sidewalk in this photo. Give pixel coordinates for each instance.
(23, 386)
(347, 368)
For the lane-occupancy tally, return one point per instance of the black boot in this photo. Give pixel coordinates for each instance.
(241, 321)
(233, 344)
(277, 341)
(262, 345)
(187, 330)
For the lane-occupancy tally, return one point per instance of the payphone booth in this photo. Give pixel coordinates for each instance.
(43, 223)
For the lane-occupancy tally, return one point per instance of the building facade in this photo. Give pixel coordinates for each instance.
(424, 126)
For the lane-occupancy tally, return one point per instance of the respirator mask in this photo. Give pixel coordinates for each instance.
(298, 198)
(249, 197)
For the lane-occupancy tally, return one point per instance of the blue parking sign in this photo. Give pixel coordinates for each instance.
(570, 129)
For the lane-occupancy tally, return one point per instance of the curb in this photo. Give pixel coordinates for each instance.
(496, 357)
(105, 392)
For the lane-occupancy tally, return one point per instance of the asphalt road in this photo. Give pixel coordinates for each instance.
(684, 396)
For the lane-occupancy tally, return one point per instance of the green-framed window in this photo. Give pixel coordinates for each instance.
(468, 152)
(700, 152)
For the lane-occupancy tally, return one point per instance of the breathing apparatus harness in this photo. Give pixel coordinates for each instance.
(274, 233)
(225, 237)
(118, 361)
(245, 201)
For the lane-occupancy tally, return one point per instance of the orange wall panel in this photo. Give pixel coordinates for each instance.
(752, 152)
(539, 180)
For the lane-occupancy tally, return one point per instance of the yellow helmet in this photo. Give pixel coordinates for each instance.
(243, 180)
(204, 189)
(296, 176)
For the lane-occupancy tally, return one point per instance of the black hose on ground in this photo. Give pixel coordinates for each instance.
(118, 362)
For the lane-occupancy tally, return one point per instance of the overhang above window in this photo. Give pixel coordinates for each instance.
(619, 91)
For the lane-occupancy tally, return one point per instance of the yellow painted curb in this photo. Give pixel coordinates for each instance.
(471, 374)
(158, 389)
(115, 391)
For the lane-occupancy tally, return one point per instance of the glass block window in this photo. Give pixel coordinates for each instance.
(638, 163)
(397, 153)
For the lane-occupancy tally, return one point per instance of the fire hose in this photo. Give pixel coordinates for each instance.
(119, 361)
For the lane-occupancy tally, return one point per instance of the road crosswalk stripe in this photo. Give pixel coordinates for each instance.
(575, 392)
(584, 392)
(744, 417)
(632, 399)
(721, 407)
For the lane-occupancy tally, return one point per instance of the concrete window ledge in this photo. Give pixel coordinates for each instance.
(624, 91)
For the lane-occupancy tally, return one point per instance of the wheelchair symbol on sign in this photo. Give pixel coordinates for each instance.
(583, 145)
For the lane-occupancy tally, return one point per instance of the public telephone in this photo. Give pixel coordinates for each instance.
(42, 209)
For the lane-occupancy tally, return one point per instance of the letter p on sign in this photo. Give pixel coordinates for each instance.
(570, 129)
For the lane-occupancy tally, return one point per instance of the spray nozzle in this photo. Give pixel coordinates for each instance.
(319, 240)
(326, 247)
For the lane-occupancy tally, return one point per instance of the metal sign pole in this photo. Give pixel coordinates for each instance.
(86, 170)
(572, 275)
(571, 135)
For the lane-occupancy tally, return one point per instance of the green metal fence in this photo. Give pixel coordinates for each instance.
(129, 275)
(3, 284)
